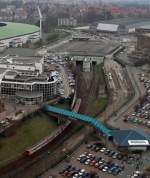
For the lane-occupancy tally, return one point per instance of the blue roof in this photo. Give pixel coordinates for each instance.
(121, 137)
(76, 116)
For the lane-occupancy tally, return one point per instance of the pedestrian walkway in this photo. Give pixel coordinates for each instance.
(80, 117)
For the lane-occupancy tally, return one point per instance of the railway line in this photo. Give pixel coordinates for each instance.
(34, 153)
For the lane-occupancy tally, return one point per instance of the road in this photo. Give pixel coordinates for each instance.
(128, 107)
(52, 46)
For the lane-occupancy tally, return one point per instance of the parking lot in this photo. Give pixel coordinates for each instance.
(141, 115)
(100, 161)
(66, 81)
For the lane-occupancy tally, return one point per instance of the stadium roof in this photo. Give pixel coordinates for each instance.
(11, 30)
(107, 27)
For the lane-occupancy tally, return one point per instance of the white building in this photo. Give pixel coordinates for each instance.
(68, 22)
(102, 27)
(24, 80)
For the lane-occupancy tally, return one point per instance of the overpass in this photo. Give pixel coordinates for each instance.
(80, 117)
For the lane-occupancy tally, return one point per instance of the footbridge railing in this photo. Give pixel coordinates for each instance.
(80, 117)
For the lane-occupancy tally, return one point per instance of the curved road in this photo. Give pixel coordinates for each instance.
(137, 93)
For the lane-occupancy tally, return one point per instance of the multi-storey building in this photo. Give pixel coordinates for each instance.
(24, 80)
(68, 22)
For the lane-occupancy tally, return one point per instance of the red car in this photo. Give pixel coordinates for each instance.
(92, 163)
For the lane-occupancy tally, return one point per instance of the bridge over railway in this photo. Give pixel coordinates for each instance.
(80, 117)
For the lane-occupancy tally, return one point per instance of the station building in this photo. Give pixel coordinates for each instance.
(131, 139)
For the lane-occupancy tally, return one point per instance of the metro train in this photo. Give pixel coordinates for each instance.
(48, 139)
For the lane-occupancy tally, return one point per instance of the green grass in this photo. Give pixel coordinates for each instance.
(100, 105)
(100, 74)
(30, 132)
(54, 36)
(17, 29)
(65, 105)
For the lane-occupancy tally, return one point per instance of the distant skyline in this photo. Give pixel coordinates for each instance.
(89, 1)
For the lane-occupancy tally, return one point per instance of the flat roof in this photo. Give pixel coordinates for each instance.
(127, 21)
(20, 60)
(12, 29)
(98, 48)
(2, 70)
(146, 34)
(29, 94)
(147, 27)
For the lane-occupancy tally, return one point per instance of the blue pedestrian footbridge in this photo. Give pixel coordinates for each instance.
(80, 117)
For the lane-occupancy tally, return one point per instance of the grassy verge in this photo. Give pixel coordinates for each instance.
(63, 104)
(100, 102)
(99, 105)
(29, 133)
(55, 35)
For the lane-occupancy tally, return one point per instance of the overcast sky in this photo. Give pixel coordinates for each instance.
(139, 1)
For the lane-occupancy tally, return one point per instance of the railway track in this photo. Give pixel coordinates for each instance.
(35, 153)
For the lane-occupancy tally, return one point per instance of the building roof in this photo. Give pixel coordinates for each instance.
(20, 60)
(29, 95)
(147, 27)
(97, 48)
(126, 137)
(107, 27)
(10, 30)
(82, 28)
(146, 34)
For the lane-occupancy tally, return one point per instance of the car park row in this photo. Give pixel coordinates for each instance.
(56, 60)
(101, 164)
(141, 115)
(114, 165)
(74, 172)
(109, 152)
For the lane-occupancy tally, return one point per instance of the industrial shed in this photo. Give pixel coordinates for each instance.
(110, 28)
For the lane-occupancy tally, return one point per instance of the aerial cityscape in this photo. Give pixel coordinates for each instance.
(74, 89)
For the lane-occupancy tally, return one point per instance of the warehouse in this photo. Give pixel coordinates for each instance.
(110, 28)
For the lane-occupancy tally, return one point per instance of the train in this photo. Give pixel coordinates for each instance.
(48, 139)
(38, 146)
(77, 105)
